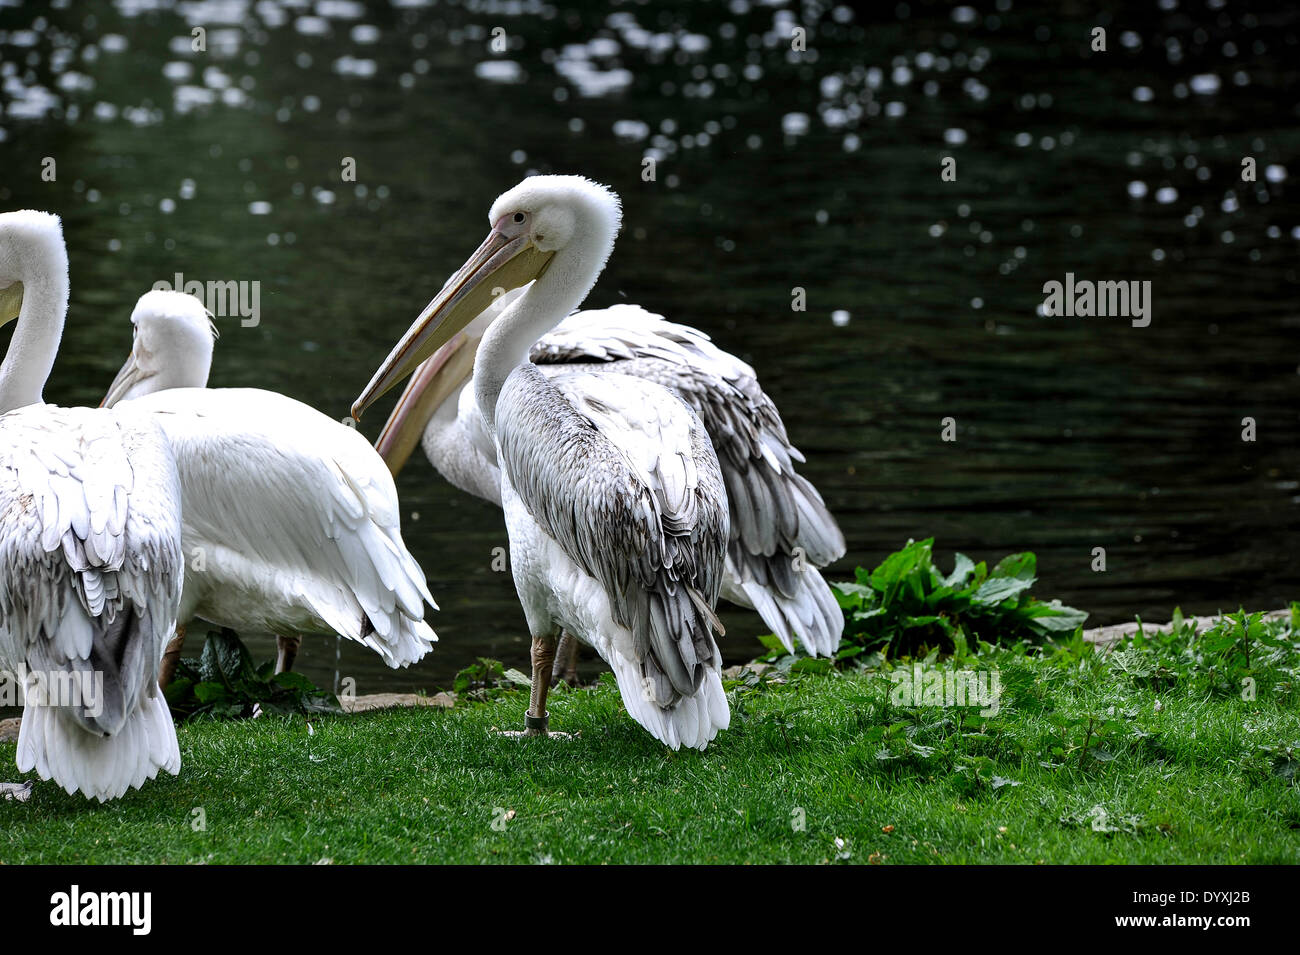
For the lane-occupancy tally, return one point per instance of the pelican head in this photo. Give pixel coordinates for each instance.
(31, 253)
(553, 231)
(172, 347)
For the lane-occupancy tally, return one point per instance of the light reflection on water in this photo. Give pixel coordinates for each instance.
(774, 171)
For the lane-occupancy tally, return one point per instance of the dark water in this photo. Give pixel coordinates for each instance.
(774, 170)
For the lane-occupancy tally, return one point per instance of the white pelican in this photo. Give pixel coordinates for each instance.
(613, 498)
(90, 542)
(291, 520)
(781, 531)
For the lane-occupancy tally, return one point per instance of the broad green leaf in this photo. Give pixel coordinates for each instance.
(518, 678)
(209, 692)
(995, 590)
(1054, 617)
(1023, 566)
(852, 595)
(895, 570)
(293, 681)
(964, 568)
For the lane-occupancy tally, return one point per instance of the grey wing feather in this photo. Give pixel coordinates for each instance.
(773, 508)
(781, 529)
(90, 543)
(650, 527)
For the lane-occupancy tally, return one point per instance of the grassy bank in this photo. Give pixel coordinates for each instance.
(1127, 756)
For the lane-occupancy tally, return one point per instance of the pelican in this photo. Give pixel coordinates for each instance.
(290, 518)
(90, 541)
(613, 497)
(781, 531)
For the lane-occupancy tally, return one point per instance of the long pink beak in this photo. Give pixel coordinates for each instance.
(433, 382)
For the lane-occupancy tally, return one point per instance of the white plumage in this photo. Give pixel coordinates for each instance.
(90, 546)
(635, 571)
(613, 498)
(781, 530)
(291, 520)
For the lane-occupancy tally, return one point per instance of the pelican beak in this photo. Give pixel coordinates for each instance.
(434, 382)
(501, 263)
(11, 302)
(130, 375)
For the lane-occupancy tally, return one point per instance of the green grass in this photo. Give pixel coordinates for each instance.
(1204, 777)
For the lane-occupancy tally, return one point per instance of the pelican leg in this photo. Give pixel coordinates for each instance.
(287, 652)
(170, 658)
(566, 660)
(536, 719)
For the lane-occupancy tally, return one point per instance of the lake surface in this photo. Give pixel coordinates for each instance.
(775, 169)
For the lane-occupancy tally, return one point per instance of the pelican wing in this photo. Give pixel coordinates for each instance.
(91, 548)
(773, 508)
(622, 477)
(623, 332)
(299, 509)
(781, 529)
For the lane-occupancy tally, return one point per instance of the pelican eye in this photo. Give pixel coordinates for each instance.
(519, 217)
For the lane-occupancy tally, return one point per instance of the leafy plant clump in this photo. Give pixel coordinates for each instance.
(487, 679)
(1241, 654)
(224, 682)
(907, 604)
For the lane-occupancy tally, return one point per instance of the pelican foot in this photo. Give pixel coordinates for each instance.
(535, 726)
(19, 791)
